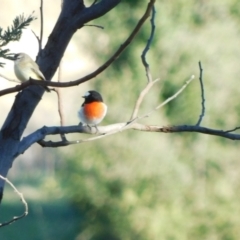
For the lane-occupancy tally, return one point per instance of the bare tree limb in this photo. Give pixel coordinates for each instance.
(233, 130)
(170, 98)
(60, 106)
(202, 95)
(22, 199)
(141, 97)
(41, 29)
(59, 95)
(38, 40)
(93, 25)
(147, 69)
(146, 49)
(105, 131)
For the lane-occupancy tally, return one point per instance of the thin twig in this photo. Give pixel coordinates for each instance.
(146, 49)
(38, 40)
(141, 127)
(60, 105)
(232, 130)
(44, 143)
(22, 199)
(141, 97)
(41, 29)
(146, 65)
(59, 94)
(170, 98)
(202, 95)
(93, 25)
(97, 71)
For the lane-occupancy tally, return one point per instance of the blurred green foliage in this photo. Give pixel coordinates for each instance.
(163, 186)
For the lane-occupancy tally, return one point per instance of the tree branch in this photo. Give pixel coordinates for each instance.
(23, 201)
(104, 131)
(146, 49)
(202, 94)
(172, 97)
(147, 69)
(141, 97)
(41, 26)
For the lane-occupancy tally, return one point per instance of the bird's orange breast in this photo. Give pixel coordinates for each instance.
(94, 110)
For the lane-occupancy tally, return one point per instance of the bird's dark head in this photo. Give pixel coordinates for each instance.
(91, 96)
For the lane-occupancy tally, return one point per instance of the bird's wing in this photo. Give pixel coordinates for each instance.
(38, 73)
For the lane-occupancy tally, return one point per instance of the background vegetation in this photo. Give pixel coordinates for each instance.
(147, 185)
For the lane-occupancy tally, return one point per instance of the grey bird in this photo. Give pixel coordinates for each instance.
(25, 68)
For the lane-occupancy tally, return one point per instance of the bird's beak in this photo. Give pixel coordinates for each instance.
(83, 96)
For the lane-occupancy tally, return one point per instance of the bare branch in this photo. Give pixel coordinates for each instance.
(41, 30)
(93, 25)
(141, 97)
(146, 49)
(104, 131)
(233, 130)
(170, 98)
(146, 65)
(204, 130)
(60, 106)
(93, 74)
(22, 199)
(41, 133)
(109, 130)
(38, 40)
(202, 95)
(116, 128)
(59, 95)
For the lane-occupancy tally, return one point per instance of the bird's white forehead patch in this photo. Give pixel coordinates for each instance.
(86, 94)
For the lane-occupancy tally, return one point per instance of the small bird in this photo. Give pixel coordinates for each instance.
(25, 68)
(93, 109)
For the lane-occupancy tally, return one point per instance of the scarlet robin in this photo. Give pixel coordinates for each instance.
(93, 109)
